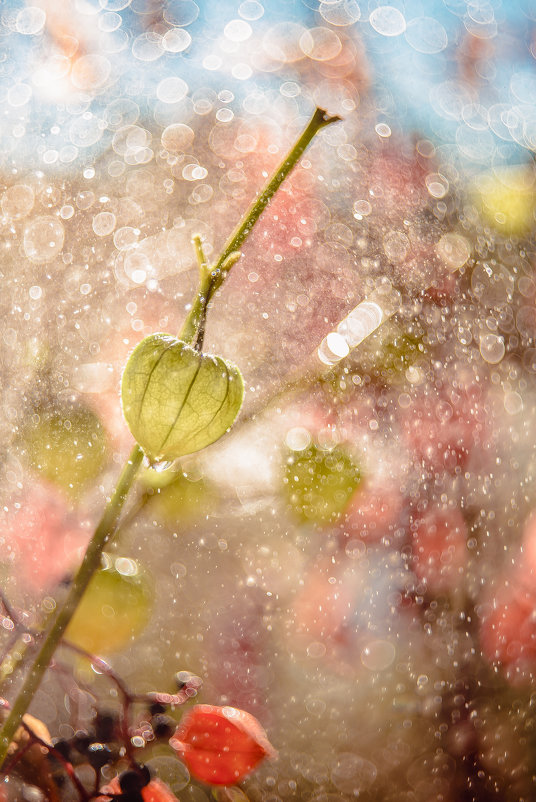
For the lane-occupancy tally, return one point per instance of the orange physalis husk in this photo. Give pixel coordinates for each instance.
(220, 745)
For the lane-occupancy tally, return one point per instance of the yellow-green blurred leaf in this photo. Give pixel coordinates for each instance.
(318, 484)
(67, 447)
(114, 609)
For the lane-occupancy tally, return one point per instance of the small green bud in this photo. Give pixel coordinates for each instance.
(177, 400)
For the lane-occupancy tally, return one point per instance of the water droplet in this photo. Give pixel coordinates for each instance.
(171, 89)
(212, 62)
(281, 42)
(298, 438)
(103, 223)
(513, 403)
(148, 46)
(242, 71)
(426, 35)
(30, 20)
(378, 655)
(121, 112)
(162, 466)
(437, 185)
(396, 246)
(492, 348)
(383, 130)
(125, 237)
(454, 250)
(43, 239)
(110, 21)
(19, 94)
(341, 13)
(320, 44)
(18, 201)
(362, 208)
(251, 10)
(176, 40)
(181, 12)
(85, 130)
(387, 21)
(126, 567)
(316, 650)
(237, 30)
(66, 212)
(224, 115)
(352, 774)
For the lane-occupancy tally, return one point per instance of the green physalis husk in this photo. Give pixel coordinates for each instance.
(66, 445)
(318, 484)
(177, 400)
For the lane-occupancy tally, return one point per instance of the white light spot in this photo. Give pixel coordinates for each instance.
(383, 130)
(103, 223)
(177, 137)
(320, 44)
(181, 12)
(340, 13)
(237, 30)
(378, 655)
(388, 21)
(224, 115)
(176, 40)
(110, 21)
(513, 403)
(43, 239)
(454, 250)
(298, 438)
(333, 348)
(426, 35)
(242, 71)
(212, 62)
(360, 323)
(250, 10)
(171, 90)
(30, 20)
(437, 185)
(492, 348)
(18, 200)
(19, 94)
(85, 130)
(148, 46)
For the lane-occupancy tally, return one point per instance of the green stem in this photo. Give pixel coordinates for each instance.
(192, 330)
(198, 309)
(211, 280)
(319, 120)
(90, 563)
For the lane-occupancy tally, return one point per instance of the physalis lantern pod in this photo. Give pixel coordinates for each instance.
(177, 400)
(220, 745)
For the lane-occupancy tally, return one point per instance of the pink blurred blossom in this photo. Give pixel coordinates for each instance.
(41, 539)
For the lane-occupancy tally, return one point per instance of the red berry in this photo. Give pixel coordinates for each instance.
(439, 549)
(373, 512)
(443, 429)
(508, 630)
